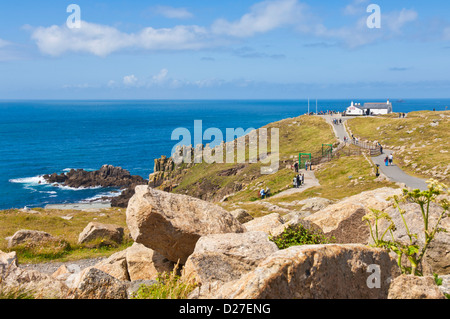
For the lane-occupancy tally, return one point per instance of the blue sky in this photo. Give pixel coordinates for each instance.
(281, 49)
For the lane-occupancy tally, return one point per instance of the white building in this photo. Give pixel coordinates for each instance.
(369, 108)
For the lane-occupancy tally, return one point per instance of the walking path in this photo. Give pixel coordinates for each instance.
(392, 172)
(310, 181)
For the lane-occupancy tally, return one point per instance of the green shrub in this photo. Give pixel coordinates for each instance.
(299, 235)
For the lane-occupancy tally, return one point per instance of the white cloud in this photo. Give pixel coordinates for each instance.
(263, 17)
(102, 40)
(173, 13)
(4, 43)
(356, 7)
(359, 34)
(395, 21)
(160, 78)
(129, 80)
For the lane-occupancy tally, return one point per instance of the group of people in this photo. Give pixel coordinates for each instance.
(299, 180)
(337, 121)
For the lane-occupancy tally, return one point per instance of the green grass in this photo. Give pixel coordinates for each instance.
(303, 134)
(66, 247)
(425, 151)
(168, 286)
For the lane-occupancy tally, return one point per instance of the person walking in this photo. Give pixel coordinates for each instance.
(294, 182)
(263, 194)
(299, 183)
(386, 161)
(391, 159)
(296, 167)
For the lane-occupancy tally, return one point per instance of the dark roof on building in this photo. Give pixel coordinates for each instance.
(377, 105)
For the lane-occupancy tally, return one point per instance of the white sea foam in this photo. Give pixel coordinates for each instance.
(75, 189)
(36, 180)
(98, 197)
(45, 192)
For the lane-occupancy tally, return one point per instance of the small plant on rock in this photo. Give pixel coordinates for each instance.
(412, 250)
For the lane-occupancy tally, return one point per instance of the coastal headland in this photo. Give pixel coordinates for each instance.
(213, 221)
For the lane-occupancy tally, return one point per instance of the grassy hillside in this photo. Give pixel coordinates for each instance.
(304, 134)
(421, 140)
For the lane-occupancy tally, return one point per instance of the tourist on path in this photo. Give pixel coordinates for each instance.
(262, 192)
(391, 159)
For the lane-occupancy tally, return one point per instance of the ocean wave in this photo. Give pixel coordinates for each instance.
(99, 197)
(64, 187)
(36, 180)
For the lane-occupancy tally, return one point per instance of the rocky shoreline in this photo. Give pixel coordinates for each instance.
(107, 176)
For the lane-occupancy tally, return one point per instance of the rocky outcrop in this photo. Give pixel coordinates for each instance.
(172, 224)
(226, 257)
(106, 176)
(107, 232)
(414, 287)
(313, 272)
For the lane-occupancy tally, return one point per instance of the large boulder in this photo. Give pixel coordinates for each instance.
(315, 272)
(241, 215)
(343, 220)
(226, 257)
(115, 265)
(92, 283)
(413, 287)
(171, 223)
(96, 230)
(265, 223)
(29, 236)
(146, 264)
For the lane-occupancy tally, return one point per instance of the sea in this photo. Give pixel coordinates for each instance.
(45, 137)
